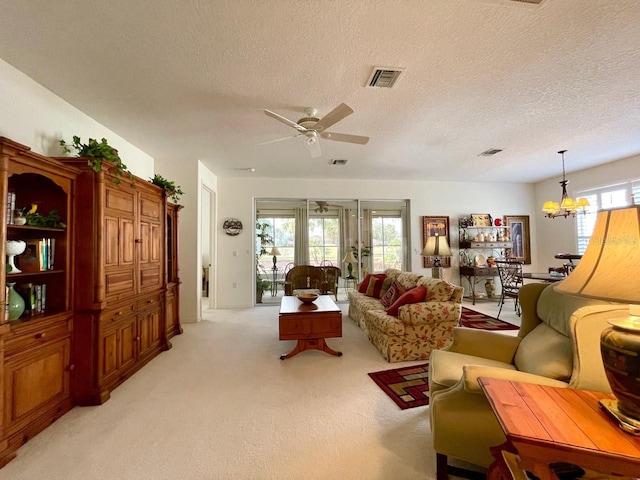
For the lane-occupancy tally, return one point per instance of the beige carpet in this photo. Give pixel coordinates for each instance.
(221, 405)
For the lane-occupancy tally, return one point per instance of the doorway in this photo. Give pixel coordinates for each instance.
(207, 248)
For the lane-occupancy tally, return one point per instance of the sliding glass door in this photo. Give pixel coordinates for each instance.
(326, 233)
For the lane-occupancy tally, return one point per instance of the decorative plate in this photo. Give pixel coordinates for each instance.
(232, 226)
(480, 261)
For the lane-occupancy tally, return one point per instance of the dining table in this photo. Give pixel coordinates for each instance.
(543, 277)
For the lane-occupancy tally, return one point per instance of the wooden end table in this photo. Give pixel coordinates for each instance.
(546, 425)
(310, 324)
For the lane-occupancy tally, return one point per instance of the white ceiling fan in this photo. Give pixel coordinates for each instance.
(313, 128)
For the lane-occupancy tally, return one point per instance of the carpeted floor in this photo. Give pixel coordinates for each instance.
(408, 387)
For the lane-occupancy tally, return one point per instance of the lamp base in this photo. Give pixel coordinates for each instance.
(626, 423)
(437, 272)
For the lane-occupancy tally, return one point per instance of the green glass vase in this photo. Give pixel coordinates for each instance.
(16, 302)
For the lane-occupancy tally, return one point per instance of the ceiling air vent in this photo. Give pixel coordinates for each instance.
(338, 161)
(384, 77)
(530, 3)
(490, 152)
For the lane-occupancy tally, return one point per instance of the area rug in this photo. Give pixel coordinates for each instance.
(473, 319)
(409, 386)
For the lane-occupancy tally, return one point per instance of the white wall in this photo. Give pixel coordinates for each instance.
(560, 233)
(32, 115)
(236, 199)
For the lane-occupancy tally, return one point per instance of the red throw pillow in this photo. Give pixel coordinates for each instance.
(392, 294)
(414, 295)
(362, 288)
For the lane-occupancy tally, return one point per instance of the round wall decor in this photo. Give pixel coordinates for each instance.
(232, 226)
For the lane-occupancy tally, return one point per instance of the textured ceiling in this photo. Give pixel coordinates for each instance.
(189, 80)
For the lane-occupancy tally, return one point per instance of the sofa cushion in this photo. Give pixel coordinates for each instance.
(545, 352)
(375, 286)
(437, 290)
(393, 293)
(408, 280)
(413, 295)
(362, 288)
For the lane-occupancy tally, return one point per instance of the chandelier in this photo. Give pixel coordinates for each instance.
(568, 206)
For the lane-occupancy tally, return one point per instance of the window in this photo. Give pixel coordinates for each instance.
(324, 243)
(611, 196)
(387, 242)
(282, 231)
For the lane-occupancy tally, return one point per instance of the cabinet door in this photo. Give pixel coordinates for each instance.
(35, 382)
(117, 348)
(151, 240)
(119, 232)
(148, 331)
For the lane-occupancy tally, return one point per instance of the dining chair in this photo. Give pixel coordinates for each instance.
(510, 273)
(331, 277)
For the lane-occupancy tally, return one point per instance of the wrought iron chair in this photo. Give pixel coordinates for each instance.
(510, 273)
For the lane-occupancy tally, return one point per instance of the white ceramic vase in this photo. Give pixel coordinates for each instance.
(14, 247)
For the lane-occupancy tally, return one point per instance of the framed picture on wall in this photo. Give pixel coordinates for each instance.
(481, 219)
(435, 226)
(520, 239)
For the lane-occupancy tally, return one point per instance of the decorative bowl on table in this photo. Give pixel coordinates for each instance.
(307, 297)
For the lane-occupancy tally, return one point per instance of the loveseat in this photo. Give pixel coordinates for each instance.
(557, 345)
(417, 328)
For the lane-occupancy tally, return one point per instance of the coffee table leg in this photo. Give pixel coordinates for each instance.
(313, 344)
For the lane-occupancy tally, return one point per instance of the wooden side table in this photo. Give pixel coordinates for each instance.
(545, 425)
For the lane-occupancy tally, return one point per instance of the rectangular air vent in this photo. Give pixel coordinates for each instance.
(491, 151)
(529, 3)
(384, 77)
(338, 161)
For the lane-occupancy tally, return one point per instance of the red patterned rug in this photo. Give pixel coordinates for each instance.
(472, 319)
(409, 386)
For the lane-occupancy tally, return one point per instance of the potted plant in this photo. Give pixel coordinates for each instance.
(265, 239)
(173, 191)
(96, 153)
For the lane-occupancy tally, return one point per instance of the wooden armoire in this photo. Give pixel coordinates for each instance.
(126, 283)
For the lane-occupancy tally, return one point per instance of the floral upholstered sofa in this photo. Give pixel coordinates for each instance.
(410, 331)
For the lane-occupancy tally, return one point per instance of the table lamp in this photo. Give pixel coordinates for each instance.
(275, 252)
(436, 247)
(610, 270)
(350, 259)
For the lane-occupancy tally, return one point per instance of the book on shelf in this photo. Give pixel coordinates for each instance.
(11, 207)
(38, 255)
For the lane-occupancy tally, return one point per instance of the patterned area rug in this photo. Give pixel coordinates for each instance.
(472, 319)
(409, 386)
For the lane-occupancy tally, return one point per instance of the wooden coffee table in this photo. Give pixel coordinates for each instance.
(310, 324)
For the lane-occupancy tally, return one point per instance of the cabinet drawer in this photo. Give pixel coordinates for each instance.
(36, 335)
(115, 314)
(152, 301)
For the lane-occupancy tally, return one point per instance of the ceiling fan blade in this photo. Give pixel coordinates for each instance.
(286, 121)
(343, 137)
(314, 147)
(333, 117)
(279, 139)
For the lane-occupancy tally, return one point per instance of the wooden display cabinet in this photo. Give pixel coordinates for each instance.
(120, 282)
(35, 349)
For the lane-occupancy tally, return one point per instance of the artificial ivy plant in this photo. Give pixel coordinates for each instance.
(97, 152)
(173, 191)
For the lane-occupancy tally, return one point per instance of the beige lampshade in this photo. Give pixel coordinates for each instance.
(610, 267)
(349, 258)
(275, 252)
(436, 246)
